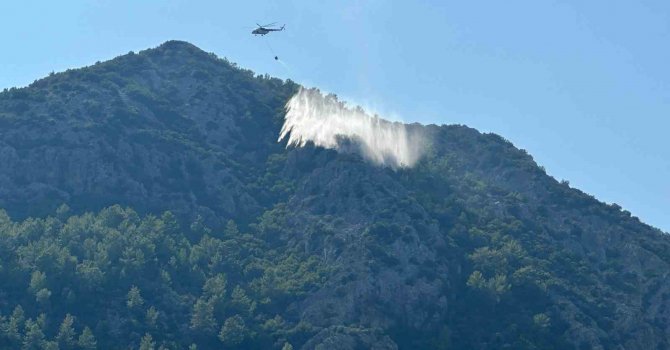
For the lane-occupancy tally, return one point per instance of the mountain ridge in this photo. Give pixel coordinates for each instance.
(183, 47)
(141, 101)
(474, 247)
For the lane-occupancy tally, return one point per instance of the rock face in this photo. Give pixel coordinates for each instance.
(170, 128)
(474, 247)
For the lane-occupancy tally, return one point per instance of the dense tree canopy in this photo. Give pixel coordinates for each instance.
(117, 280)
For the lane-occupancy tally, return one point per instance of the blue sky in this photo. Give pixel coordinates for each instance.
(584, 86)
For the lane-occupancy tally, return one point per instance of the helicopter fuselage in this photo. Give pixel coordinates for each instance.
(260, 31)
(263, 30)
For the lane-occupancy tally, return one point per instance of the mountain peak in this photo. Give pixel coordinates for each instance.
(177, 44)
(177, 47)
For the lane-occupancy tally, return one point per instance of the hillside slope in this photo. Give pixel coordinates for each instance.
(476, 247)
(170, 128)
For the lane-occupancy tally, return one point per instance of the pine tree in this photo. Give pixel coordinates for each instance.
(147, 342)
(134, 298)
(241, 301)
(34, 336)
(170, 224)
(66, 333)
(38, 281)
(42, 296)
(86, 340)
(202, 318)
(151, 317)
(12, 328)
(476, 280)
(233, 331)
(215, 287)
(231, 229)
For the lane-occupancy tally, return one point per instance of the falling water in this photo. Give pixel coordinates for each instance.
(329, 123)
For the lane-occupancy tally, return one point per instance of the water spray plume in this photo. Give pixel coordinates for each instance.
(329, 123)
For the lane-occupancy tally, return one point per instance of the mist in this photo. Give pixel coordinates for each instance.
(329, 123)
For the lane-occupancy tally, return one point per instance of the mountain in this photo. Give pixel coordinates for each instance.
(148, 204)
(171, 128)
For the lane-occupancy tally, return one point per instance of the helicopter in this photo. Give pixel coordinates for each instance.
(262, 29)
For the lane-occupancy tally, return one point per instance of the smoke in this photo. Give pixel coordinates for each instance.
(329, 123)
